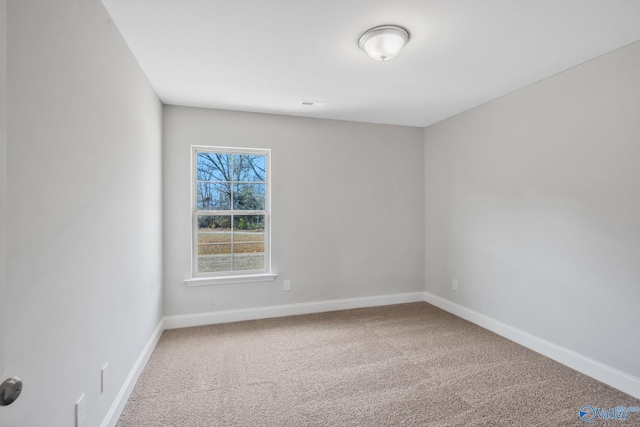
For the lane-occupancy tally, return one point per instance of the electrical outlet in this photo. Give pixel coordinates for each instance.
(287, 285)
(454, 285)
(103, 378)
(81, 411)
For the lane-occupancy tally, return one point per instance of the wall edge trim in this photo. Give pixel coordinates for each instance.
(112, 417)
(599, 371)
(215, 317)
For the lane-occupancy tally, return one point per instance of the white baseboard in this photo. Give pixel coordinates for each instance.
(125, 391)
(599, 371)
(199, 319)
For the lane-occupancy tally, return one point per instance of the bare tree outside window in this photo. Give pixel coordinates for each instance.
(231, 197)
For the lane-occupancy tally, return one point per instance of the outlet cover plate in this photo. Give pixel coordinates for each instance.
(103, 378)
(81, 411)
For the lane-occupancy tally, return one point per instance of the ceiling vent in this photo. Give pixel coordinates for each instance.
(314, 103)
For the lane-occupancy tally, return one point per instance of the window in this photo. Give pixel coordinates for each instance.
(231, 199)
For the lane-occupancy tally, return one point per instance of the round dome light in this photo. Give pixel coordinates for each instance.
(384, 42)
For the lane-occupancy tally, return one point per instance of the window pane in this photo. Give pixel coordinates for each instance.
(214, 229)
(248, 256)
(249, 197)
(214, 167)
(248, 228)
(248, 167)
(214, 196)
(214, 258)
(214, 249)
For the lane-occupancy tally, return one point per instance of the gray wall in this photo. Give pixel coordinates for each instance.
(347, 202)
(84, 224)
(533, 204)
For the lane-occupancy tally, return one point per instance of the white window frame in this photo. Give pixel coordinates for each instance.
(212, 278)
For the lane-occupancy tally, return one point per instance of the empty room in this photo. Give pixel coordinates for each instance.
(339, 213)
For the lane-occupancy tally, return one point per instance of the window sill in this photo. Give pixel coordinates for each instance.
(223, 280)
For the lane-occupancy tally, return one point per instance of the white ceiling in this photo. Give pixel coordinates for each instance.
(269, 55)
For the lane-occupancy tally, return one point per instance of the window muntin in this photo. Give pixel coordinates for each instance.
(230, 211)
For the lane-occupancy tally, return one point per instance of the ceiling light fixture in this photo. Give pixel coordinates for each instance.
(384, 42)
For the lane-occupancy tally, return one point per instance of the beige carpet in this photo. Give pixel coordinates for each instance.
(402, 365)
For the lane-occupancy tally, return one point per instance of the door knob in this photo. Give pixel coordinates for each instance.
(10, 389)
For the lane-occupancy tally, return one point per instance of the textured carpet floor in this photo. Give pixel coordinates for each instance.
(402, 365)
